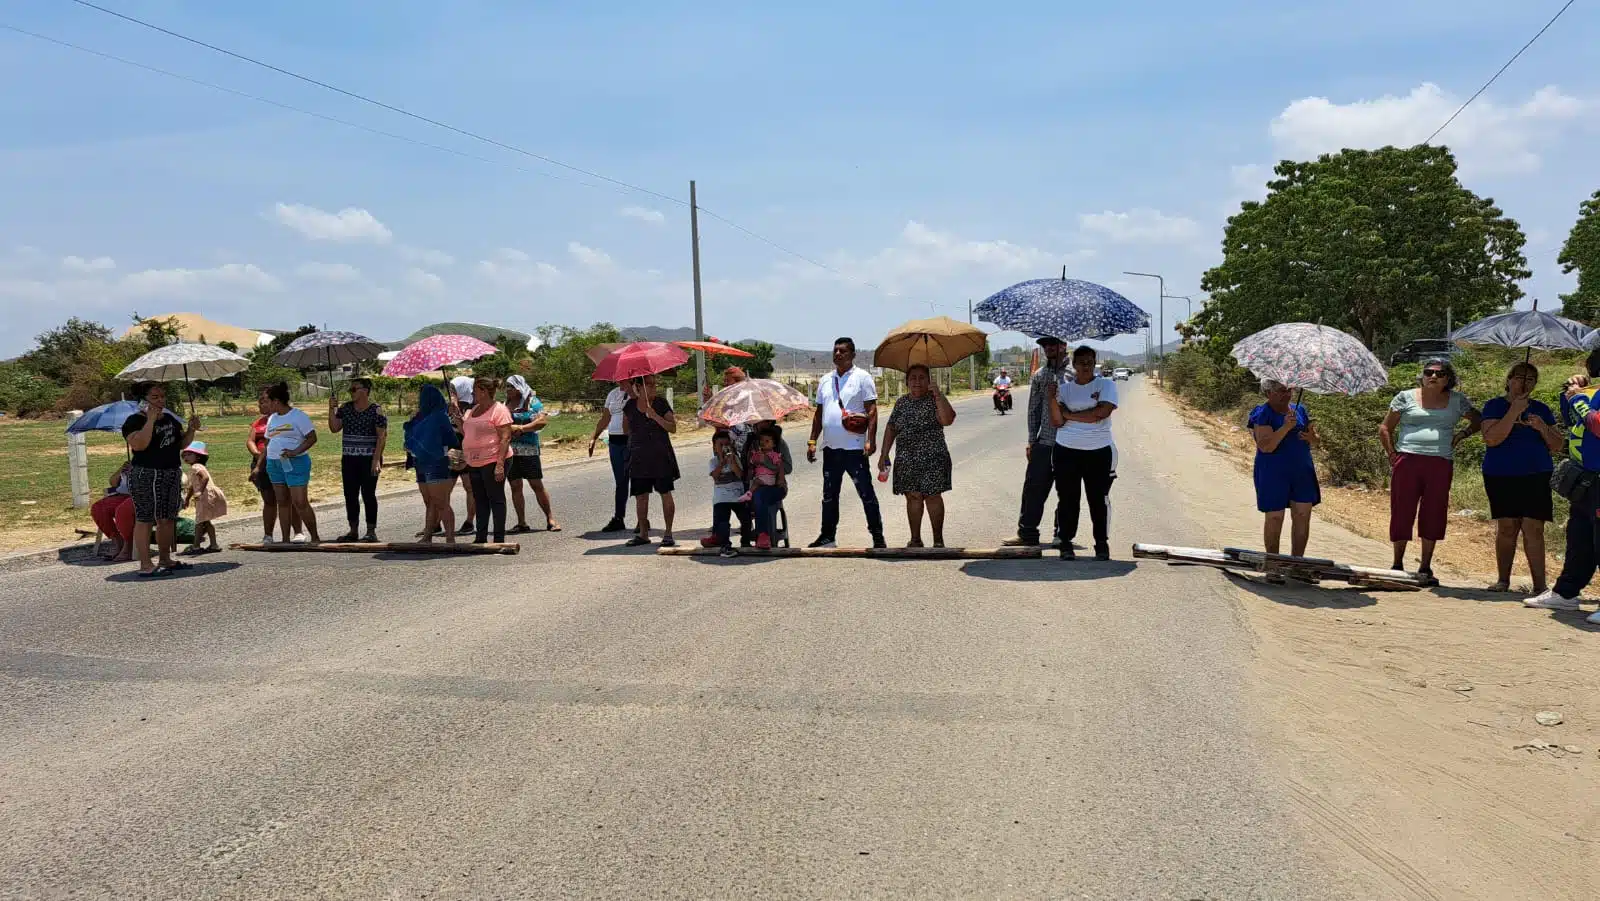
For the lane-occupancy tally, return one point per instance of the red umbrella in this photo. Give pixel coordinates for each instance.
(436, 352)
(714, 348)
(641, 358)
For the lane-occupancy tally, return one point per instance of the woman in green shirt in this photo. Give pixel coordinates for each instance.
(1419, 435)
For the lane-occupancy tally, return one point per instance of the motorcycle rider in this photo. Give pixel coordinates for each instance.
(1002, 392)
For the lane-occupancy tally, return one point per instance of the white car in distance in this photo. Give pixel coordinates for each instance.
(1121, 374)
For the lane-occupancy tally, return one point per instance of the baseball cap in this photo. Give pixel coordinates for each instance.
(1049, 339)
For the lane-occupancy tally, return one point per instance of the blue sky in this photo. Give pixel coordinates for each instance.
(940, 152)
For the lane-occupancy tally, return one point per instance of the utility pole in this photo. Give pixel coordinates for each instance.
(972, 361)
(699, 316)
(1161, 326)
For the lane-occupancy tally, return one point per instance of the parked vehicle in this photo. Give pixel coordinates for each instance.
(1422, 349)
(1121, 374)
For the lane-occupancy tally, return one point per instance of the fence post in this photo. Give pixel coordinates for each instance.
(78, 464)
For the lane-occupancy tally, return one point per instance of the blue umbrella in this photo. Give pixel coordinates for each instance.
(1064, 308)
(1530, 329)
(104, 418)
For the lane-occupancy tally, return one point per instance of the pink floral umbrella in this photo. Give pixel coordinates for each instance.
(434, 353)
(753, 400)
(1315, 358)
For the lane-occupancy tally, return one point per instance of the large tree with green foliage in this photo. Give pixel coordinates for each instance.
(562, 369)
(1581, 254)
(1378, 242)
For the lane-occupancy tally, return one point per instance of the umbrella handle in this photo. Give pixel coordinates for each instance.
(188, 389)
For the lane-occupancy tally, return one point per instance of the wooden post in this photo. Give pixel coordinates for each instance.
(78, 465)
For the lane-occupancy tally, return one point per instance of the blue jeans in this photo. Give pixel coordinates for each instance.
(836, 464)
(767, 499)
(619, 473)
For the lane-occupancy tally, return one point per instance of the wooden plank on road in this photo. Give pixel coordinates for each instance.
(857, 553)
(381, 547)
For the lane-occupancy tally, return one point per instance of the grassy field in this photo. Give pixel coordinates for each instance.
(36, 494)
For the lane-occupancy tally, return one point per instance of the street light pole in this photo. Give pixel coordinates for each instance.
(1161, 327)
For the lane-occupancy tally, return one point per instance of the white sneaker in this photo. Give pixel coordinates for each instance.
(1593, 618)
(300, 538)
(1551, 601)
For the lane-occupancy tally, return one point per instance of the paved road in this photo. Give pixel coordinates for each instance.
(586, 721)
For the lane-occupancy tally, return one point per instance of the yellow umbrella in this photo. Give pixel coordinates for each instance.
(935, 343)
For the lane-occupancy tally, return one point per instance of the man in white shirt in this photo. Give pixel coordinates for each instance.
(846, 420)
(1003, 380)
(617, 444)
(1080, 407)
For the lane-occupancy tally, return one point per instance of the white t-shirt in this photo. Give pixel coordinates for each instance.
(837, 394)
(462, 386)
(615, 401)
(724, 492)
(285, 431)
(1078, 398)
(1003, 381)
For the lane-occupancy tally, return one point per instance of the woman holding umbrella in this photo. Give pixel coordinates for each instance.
(1521, 435)
(157, 438)
(1285, 476)
(1420, 437)
(918, 422)
(365, 432)
(652, 463)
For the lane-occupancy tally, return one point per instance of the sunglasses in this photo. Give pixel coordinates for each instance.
(1433, 374)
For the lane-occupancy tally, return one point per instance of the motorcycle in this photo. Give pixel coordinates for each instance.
(1002, 400)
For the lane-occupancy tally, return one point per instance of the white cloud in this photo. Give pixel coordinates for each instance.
(1140, 226)
(423, 280)
(172, 284)
(511, 255)
(588, 256)
(349, 224)
(923, 256)
(81, 265)
(332, 273)
(514, 270)
(1487, 136)
(424, 256)
(644, 214)
(1250, 180)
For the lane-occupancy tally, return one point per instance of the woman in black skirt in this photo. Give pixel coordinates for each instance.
(1521, 434)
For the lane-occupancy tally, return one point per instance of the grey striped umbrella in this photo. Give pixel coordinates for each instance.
(329, 349)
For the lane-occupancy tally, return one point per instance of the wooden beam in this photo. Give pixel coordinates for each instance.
(379, 547)
(856, 553)
(1248, 560)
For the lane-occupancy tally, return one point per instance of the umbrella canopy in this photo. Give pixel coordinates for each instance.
(940, 341)
(1530, 329)
(1317, 358)
(714, 348)
(329, 349)
(639, 359)
(753, 400)
(1064, 308)
(435, 352)
(185, 361)
(104, 418)
(601, 351)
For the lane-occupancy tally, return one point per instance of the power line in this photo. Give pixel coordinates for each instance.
(1496, 75)
(424, 119)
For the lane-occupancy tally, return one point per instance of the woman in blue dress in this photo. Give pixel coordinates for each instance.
(1286, 479)
(1521, 435)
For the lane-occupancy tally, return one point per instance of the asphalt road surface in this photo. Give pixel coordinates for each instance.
(584, 720)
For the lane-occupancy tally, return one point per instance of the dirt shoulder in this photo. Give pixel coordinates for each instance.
(1405, 722)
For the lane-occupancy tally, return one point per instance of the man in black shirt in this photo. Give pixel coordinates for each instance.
(156, 438)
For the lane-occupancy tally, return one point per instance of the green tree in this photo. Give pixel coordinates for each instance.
(1378, 242)
(24, 392)
(757, 367)
(1581, 254)
(64, 347)
(159, 332)
(562, 369)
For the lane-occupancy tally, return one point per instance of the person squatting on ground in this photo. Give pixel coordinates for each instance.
(364, 431)
(1085, 460)
(846, 419)
(923, 475)
(210, 504)
(156, 437)
(1285, 476)
(1580, 414)
(1420, 438)
(113, 515)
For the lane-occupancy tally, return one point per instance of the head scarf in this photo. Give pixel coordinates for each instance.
(429, 433)
(524, 393)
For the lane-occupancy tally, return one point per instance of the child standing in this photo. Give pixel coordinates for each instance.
(209, 501)
(768, 483)
(727, 484)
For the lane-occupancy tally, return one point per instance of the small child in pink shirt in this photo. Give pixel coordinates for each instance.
(766, 464)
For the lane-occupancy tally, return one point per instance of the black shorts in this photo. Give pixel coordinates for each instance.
(639, 487)
(262, 482)
(157, 494)
(528, 468)
(1520, 497)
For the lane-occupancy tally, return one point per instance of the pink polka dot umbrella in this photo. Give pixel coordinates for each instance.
(436, 352)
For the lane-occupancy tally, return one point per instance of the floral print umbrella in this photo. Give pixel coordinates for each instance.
(753, 400)
(1064, 308)
(436, 352)
(1316, 358)
(329, 349)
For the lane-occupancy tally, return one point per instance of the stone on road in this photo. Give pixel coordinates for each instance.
(589, 720)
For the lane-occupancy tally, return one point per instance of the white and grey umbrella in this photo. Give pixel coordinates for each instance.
(185, 361)
(329, 349)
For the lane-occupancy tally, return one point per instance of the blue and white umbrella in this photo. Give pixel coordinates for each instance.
(1064, 308)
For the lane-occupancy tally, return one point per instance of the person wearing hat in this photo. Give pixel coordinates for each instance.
(1040, 479)
(209, 502)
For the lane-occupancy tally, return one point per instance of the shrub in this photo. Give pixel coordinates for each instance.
(1205, 380)
(24, 392)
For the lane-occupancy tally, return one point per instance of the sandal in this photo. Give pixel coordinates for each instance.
(157, 573)
(551, 527)
(1499, 587)
(519, 529)
(637, 541)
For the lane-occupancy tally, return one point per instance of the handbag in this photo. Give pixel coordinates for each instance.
(1570, 480)
(855, 423)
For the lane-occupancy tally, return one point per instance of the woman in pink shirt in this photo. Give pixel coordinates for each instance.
(486, 443)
